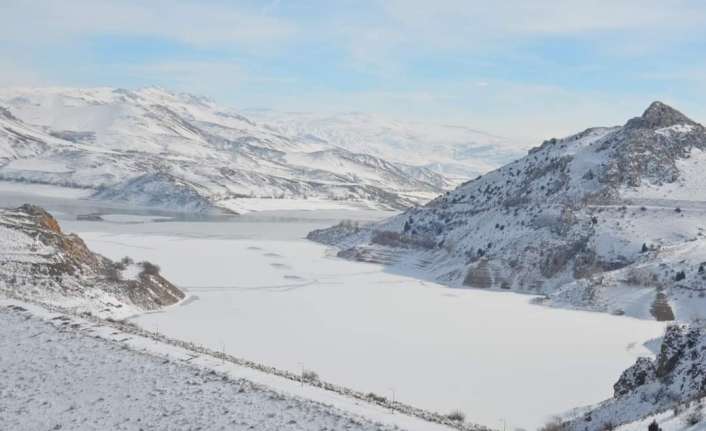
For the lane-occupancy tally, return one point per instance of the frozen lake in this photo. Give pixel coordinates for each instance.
(264, 293)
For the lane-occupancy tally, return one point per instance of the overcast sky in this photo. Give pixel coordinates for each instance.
(522, 68)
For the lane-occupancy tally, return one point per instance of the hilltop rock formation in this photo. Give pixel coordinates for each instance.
(39, 261)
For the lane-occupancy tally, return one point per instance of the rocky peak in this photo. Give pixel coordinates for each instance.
(659, 115)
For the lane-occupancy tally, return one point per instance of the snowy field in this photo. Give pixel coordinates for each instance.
(156, 388)
(259, 291)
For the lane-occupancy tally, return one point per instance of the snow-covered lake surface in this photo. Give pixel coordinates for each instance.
(262, 292)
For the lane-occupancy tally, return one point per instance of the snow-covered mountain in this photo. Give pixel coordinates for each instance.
(451, 150)
(40, 262)
(609, 219)
(179, 151)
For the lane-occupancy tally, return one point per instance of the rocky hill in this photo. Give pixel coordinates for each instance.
(40, 262)
(610, 219)
(671, 386)
(155, 148)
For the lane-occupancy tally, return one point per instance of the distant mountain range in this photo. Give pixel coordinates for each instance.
(451, 150)
(155, 148)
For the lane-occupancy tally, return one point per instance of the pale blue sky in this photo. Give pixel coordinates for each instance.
(523, 68)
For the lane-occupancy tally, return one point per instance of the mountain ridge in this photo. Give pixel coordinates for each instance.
(577, 210)
(104, 139)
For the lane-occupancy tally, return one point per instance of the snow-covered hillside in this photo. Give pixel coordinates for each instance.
(610, 219)
(39, 261)
(669, 390)
(155, 148)
(581, 220)
(63, 372)
(454, 151)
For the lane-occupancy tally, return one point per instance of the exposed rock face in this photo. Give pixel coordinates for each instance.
(676, 377)
(39, 261)
(648, 147)
(564, 222)
(479, 276)
(659, 115)
(639, 374)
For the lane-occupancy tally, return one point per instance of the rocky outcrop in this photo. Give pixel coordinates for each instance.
(39, 261)
(639, 374)
(660, 115)
(672, 380)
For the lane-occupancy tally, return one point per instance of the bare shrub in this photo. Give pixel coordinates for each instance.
(554, 424)
(396, 239)
(694, 417)
(375, 397)
(113, 273)
(456, 416)
(310, 376)
(149, 268)
(640, 277)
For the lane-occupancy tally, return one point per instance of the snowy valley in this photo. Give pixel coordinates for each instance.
(398, 215)
(606, 221)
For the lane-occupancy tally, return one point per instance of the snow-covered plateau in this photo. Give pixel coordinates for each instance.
(151, 147)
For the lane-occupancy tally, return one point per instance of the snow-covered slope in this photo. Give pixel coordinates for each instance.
(669, 390)
(61, 371)
(178, 151)
(611, 219)
(39, 261)
(454, 151)
(591, 221)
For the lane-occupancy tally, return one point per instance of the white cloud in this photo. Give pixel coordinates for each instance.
(381, 40)
(185, 21)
